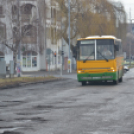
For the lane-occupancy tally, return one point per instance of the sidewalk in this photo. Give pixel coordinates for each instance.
(28, 78)
(47, 73)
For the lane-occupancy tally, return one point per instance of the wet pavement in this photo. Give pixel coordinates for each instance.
(65, 107)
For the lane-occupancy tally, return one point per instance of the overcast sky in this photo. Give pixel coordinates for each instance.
(128, 4)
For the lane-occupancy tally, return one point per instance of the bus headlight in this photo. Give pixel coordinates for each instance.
(79, 71)
(112, 69)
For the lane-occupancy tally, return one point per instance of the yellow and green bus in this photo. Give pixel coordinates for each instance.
(99, 58)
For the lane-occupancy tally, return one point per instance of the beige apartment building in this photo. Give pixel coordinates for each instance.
(36, 22)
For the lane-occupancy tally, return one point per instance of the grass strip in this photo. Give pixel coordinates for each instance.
(18, 80)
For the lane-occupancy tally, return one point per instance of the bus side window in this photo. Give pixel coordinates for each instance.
(121, 48)
(117, 53)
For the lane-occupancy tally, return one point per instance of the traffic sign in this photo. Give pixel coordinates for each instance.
(69, 61)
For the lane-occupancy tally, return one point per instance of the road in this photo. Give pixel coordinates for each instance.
(65, 107)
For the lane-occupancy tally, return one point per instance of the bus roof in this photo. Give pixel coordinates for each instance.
(99, 37)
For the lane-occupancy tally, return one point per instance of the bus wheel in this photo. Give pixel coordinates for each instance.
(120, 80)
(115, 82)
(83, 83)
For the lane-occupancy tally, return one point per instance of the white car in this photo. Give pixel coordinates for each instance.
(126, 67)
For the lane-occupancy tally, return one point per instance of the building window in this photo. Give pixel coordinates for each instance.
(58, 16)
(53, 35)
(15, 34)
(14, 10)
(2, 31)
(48, 32)
(24, 61)
(29, 30)
(29, 34)
(29, 59)
(53, 13)
(34, 61)
(1, 10)
(2, 57)
(53, 3)
(26, 9)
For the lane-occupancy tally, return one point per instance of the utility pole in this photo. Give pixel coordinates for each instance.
(45, 36)
(18, 41)
(69, 60)
(130, 41)
(61, 50)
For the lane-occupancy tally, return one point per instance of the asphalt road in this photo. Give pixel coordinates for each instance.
(65, 107)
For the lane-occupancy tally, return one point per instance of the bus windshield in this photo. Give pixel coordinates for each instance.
(105, 49)
(87, 50)
(102, 49)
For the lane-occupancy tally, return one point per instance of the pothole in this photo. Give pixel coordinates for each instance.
(43, 107)
(35, 119)
(108, 99)
(10, 103)
(11, 132)
(14, 101)
(22, 119)
(2, 120)
(3, 106)
(26, 113)
(38, 119)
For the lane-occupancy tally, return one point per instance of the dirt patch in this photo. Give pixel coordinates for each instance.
(15, 82)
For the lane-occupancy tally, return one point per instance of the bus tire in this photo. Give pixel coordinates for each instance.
(121, 79)
(116, 82)
(83, 83)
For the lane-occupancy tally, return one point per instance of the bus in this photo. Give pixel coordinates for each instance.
(99, 58)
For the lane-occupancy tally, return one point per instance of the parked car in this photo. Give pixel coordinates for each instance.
(126, 67)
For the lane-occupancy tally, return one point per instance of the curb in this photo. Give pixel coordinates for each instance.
(30, 83)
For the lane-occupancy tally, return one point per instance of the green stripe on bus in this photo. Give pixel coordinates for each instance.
(97, 76)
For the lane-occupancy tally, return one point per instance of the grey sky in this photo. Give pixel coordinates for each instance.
(128, 4)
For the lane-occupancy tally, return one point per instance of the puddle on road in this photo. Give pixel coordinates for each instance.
(14, 101)
(4, 104)
(108, 99)
(50, 107)
(10, 130)
(27, 113)
(23, 121)
(39, 119)
(43, 107)
(33, 119)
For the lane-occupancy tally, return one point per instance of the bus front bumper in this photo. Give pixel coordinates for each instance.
(97, 76)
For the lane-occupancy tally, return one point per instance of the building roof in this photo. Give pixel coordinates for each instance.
(99, 37)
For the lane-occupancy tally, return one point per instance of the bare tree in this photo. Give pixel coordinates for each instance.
(23, 35)
(89, 17)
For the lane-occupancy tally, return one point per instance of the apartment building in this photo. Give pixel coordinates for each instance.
(35, 23)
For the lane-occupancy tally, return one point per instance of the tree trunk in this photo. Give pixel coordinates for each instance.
(15, 61)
